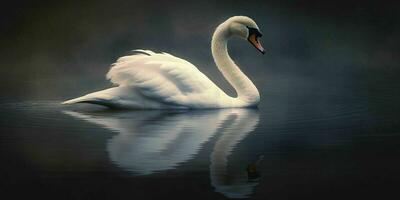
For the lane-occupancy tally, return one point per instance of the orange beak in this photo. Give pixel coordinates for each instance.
(253, 39)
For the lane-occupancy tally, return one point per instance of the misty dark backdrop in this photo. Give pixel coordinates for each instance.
(61, 49)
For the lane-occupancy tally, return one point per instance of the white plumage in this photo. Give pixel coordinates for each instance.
(149, 80)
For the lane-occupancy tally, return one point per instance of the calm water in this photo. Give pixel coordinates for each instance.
(345, 146)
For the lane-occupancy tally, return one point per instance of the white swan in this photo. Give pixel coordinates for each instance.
(148, 80)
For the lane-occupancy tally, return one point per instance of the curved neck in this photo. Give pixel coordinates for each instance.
(245, 89)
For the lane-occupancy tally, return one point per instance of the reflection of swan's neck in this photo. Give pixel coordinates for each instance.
(245, 89)
(233, 184)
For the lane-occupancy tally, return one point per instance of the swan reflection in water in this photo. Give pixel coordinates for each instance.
(152, 141)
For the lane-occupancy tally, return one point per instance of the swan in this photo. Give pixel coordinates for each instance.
(149, 80)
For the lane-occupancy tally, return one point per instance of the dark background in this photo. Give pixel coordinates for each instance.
(325, 59)
(62, 49)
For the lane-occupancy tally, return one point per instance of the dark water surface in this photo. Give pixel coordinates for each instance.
(283, 150)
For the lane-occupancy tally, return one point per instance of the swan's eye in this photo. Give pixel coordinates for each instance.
(254, 34)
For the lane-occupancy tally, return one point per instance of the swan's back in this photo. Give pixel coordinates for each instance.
(157, 80)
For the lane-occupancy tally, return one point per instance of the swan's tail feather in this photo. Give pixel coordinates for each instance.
(83, 99)
(104, 98)
(71, 101)
(91, 100)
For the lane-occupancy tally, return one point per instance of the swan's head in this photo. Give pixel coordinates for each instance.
(245, 28)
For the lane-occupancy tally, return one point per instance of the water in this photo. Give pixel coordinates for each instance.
(282, 150)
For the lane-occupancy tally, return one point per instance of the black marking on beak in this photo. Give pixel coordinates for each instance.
(254, 34)
(254, 31)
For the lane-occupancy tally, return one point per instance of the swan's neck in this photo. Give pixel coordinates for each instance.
(245, 89)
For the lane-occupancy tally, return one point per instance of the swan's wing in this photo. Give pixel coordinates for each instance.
(160, 76)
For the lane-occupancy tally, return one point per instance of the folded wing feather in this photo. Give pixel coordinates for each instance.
(160, 76)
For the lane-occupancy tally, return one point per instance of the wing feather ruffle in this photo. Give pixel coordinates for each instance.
(159, 75)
